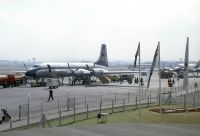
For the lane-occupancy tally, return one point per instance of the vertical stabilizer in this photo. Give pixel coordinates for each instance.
(103, 59)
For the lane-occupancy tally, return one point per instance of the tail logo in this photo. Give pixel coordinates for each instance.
(103, 53)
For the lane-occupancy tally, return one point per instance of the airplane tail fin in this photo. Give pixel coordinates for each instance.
(103, 59)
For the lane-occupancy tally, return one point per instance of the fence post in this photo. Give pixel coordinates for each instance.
(184, 101)
(180, 99)
(10, 124)
(85, 101)
(43, 120)
(123, 105)
(28, 117)
(148, 101)
(67, 95)
(74, 110)
(194, 98)
(100, 107)
(181, 90)
(19, 112)
(142, 92)
(112, 106)
(87, 111)
(145, 94)
(60, 118)
(115, 97)
(128, 97)
(41, 108)
(150, 98)
(136, 103)
(58, 105)
(163, 98)
(159, 99)
(101, 99)
(67, 99)
(67, 104)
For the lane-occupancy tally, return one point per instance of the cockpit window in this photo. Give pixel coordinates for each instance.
(35, 66)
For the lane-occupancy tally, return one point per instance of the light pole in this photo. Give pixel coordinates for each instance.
(28, 121)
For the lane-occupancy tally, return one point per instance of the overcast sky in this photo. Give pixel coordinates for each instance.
(60, 30)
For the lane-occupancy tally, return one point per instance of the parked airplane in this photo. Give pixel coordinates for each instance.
(191, 66)
(180, 68)
(77, 71)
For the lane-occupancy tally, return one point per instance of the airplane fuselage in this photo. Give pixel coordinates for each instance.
(63, 69)
(181, 68)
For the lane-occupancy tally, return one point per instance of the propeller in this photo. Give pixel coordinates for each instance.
(49, 67)
(53, 75)
(91, 71)
(25, 67)
(74, 78)
(71, 70)
(69, 67)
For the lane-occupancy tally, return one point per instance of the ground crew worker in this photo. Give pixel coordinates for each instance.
(195, 85)
(142, 82)
(50, 94)
(173, 81)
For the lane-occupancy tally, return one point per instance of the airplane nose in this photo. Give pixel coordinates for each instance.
(27, 73)
(30, 73)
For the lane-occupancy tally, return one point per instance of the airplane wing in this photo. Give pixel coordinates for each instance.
(122, 72)
(13, 72)
(19, 72)
(103, 75)
(106, 72)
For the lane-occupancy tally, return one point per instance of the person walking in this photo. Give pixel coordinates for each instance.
(173, 81)
(195, 85)
(141, 81)
(50, 94)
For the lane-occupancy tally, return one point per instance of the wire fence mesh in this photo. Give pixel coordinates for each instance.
(114, 102)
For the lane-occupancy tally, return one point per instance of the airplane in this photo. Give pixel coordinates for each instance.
(180, 68)
(76, 70)
(191, 66)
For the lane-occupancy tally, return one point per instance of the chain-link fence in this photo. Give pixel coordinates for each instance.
(74, 105)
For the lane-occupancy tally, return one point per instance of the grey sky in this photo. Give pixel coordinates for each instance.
(74, 29)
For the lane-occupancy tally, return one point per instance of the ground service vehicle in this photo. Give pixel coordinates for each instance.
(52, 83)
(12, 80)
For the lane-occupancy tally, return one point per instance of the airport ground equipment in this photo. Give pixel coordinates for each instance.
(12, 80)
(121, 78)
(3, 80)
(127, 77)
(166, 74)
(53, 83)
(102, 116)
(6, 117)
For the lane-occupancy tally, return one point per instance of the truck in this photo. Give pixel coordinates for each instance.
(3, 80)
(12, 80)
(52, 83)
(121, 78)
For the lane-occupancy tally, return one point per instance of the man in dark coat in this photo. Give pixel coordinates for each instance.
(50, 94)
